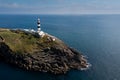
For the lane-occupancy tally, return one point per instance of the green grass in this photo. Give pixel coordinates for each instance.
(20, 42)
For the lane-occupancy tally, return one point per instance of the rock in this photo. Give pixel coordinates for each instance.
(54, 57)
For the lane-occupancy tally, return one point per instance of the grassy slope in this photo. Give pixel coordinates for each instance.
(20, 42)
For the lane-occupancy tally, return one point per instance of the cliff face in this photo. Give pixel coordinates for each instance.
(45, 55)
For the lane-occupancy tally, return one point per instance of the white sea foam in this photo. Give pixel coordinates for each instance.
(87, 66)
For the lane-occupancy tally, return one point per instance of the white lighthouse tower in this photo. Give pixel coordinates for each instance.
(40, 32)
(38, 25)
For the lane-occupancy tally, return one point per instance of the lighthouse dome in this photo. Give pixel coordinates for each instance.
(38, 21)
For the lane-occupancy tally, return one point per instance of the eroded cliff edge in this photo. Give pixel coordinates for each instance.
(30, 52)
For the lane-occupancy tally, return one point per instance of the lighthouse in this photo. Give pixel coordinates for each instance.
(38, 24)
(39, 31)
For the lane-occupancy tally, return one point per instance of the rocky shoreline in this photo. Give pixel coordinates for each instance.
(57, 58)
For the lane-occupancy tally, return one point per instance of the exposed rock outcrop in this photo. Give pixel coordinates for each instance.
(56, 58)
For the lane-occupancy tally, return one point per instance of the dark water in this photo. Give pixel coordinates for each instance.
(97, 36)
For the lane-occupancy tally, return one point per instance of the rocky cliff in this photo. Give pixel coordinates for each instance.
(31, 52)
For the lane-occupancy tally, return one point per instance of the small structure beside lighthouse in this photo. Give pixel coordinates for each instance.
(40, 33)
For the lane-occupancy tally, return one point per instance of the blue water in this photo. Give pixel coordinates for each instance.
(97, 36)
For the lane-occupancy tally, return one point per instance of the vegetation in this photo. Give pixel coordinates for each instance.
(43, 54)
(22, 42)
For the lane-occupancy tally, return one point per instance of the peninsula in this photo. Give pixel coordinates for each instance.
(39, 51)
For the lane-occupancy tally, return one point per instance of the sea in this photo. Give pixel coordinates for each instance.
(96, 36)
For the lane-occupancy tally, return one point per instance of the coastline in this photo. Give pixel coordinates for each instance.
(53, 56)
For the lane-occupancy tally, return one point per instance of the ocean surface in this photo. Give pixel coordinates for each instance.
(96, 36)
